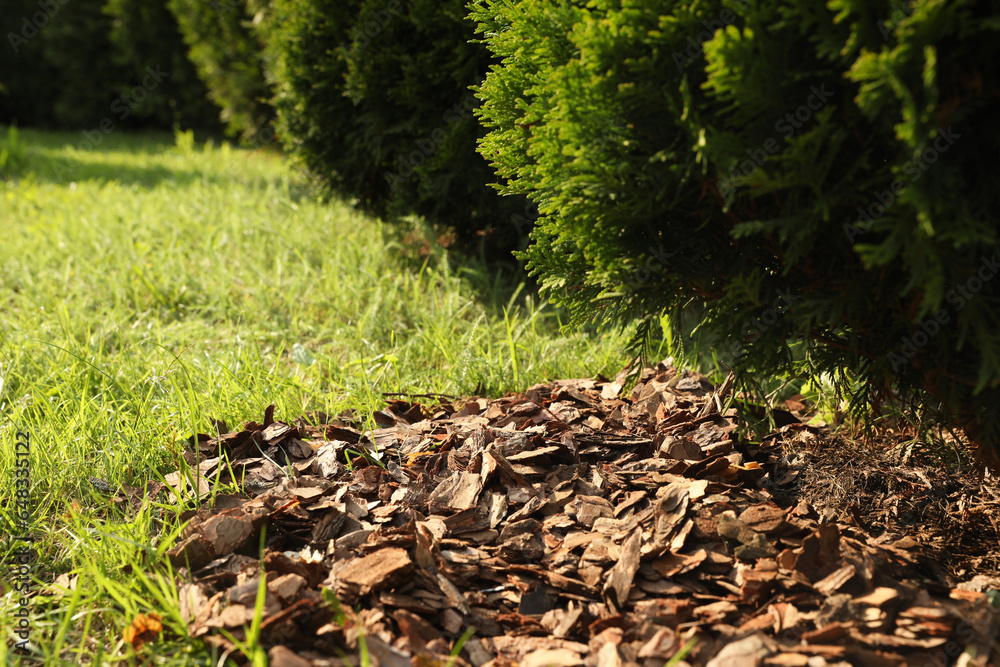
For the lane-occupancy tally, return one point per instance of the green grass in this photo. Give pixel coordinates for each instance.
(152, 283)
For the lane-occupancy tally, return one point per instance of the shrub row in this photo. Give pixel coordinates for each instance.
(228, 53)
(815, 178)
(87, 62)
(373, 96)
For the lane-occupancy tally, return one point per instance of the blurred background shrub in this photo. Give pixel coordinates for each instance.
(229, 55)
(373, 96)
(75, 64)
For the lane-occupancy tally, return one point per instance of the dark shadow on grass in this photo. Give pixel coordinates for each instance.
(49, 160)
(496, 280)
(66, 170)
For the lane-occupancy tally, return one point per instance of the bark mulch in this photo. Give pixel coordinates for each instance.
(573, 525)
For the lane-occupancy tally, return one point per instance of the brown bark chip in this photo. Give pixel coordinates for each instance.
(581, 523)
(383, 569)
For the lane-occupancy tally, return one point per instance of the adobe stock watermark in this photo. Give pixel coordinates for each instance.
(122, 107)
(656, 261)
(899, 11)
(531, 214)
(787, 125)
(695, 48)
(973, 627)
(768, 318)
(30, 26)
(264, 136)
(376, 23)
(20, 575)
(932, 325)
(914, 169)
(234, 5)
(425, 148)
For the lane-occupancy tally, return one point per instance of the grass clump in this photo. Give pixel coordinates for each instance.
(151, 284)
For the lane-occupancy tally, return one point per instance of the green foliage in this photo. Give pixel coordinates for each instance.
(229, 56)
(57, 64)
(83, 63)
(146, 35)
(814, 179)
(19, 47)
(373, 97)
(77, 45)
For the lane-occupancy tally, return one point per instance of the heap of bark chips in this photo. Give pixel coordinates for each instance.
(568, 525)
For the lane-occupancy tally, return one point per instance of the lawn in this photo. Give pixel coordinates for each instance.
(152, 283)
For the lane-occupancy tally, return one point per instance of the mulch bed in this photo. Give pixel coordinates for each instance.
(573, 525)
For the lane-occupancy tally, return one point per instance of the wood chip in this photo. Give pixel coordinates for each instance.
(555, 523)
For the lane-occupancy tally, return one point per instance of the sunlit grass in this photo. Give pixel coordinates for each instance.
(150, 284)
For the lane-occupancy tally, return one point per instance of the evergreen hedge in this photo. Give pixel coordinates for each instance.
(228, 53)
(817, 179)
(78, 64)
(57, 63)
(373, 96)
(27, 88)
(146, 36)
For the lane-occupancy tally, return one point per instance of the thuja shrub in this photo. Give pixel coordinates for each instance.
(97, 65)
(27, 82)
(373, 96)
(816, 179)
(228, 53)
(58, 65)
(162, 88)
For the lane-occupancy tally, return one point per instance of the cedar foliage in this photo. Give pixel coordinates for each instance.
(146, 35)
(815, 179)
(374, 98)
(75, 64)
(228, 52)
